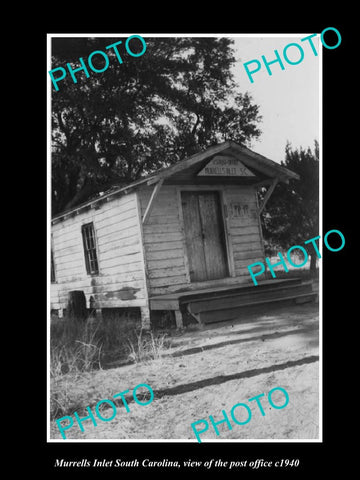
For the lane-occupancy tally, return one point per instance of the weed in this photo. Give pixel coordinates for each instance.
(74, 348)
(146, 346)
(77, 347)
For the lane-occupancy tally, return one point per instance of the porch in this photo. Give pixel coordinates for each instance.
(226, 302)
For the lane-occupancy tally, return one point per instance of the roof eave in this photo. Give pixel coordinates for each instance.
(264, 164)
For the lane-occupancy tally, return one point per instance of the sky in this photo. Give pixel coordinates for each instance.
(288, 99)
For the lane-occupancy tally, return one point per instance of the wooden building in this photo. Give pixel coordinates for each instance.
(180, 239)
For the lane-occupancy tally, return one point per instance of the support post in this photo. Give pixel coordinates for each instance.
(145, 318)
(178, 319)
(150, 205)
(268, 194)
(194, 315)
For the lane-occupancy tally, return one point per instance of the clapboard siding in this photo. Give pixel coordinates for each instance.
(163, 241)
(122, 234)
(244, 228)
(250, 231)
(243, 238)
(117, 223)
(128, 266)
(89, 290)
(161, 237)
(126, 250)
(166, 272)
(243, 278)
(164, 244)
(248, 255)
(179, 280)
(161, 255)
(119, 250)
(101, 290)
(164, 262)
(249, 247)
(163, 220)
(121, 241)
(112, 250)
(165, 247)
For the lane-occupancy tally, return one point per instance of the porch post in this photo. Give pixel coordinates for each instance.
(145, 318)
(178, 319)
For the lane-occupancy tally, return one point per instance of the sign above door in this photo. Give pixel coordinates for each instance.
(225, 166)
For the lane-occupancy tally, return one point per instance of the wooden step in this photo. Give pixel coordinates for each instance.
(235, 312)
(229, 290)
(244, 298)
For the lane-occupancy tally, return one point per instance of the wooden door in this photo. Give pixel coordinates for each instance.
(204, 236)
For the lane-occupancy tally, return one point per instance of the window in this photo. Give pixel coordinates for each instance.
(91, 261)
(52, 268)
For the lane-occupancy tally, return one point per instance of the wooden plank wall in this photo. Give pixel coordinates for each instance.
(244, 228)
(164, 240)
(121, 279)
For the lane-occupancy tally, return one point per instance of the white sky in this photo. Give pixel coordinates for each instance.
(289, 99)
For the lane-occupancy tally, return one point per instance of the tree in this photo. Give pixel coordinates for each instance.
(148, 112)
(292, 214)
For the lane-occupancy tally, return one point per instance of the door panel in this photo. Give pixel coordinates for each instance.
(213, 235)
(193, 236)
(204, 235)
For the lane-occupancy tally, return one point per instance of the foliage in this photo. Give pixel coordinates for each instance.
(291, 216)
(146, 113)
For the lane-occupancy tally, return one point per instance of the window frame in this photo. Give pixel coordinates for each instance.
(90, 248)
(52, 267)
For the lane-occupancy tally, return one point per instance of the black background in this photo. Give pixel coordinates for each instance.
(333, 455)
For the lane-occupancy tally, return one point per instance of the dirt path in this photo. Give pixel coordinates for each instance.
(210, 370)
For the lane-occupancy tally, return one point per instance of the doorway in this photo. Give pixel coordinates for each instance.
(204, 235)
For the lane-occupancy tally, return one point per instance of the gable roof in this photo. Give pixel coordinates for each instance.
(192, 165)
(196, 162)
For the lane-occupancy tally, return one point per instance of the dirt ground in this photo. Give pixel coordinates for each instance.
(209, 370)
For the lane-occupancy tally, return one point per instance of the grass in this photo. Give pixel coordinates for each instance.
(77, 346)
(73, 347)
(147, 346)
